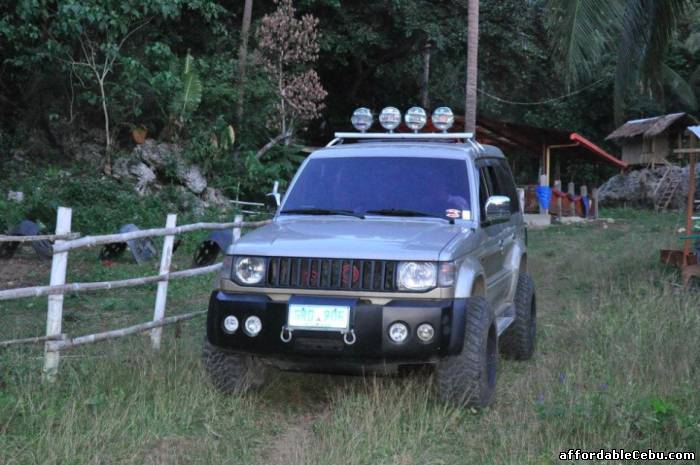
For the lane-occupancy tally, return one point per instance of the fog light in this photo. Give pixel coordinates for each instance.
(398, 332)
(230, 324)
(253, 325)
(425, 332)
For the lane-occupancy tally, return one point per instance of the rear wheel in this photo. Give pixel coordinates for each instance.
(470, 376)
(231, 371)
(519, 340)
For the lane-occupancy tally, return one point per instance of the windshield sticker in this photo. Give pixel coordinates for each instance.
(466, 215)
(453, 213)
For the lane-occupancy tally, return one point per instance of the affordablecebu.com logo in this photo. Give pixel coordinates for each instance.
(622, 454)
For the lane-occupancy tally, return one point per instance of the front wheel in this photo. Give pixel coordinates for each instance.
(470, 376)
(230, 371)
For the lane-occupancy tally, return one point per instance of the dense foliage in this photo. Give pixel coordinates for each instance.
(93, 71)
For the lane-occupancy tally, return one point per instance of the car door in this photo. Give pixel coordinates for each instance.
(499, 181)
(490, 249)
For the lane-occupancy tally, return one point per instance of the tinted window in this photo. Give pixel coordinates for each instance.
(359, 184)
(506, 184)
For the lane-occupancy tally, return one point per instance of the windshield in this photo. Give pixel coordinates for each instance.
(389, 186)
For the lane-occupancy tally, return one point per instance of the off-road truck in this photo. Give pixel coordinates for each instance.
(387, 250)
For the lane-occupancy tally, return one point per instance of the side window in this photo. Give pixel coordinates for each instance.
(486, 189)
(506, 184)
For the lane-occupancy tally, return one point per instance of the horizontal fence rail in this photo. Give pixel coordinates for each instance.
(91, 241)
(65, 240)
(45, 237)
(39, 291)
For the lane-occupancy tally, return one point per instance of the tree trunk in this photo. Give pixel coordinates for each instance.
(243, 58)
(108, 137)
(472, 66)
(425, 85)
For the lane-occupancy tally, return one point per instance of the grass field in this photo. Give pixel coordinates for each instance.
(617, 366)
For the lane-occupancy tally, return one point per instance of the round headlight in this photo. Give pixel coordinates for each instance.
(230, 324)
(398, 332)
(417, 276)
(425, 332)
(249, 270)
(390, 118)
(443, 118)
(253, 326)
(362, 119)
(415, 118)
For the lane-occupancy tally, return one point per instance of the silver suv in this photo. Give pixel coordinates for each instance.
(395, 250)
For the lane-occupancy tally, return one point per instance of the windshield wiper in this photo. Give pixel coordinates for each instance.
(404, 212)
(321, 211)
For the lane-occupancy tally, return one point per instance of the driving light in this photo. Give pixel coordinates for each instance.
(253, 325)
(249, 270)
(398, 332)
(443, 118)
(230, 324)
(417, 276)
(415, 118)
(425, 332)
(390, 118)
(362, 119)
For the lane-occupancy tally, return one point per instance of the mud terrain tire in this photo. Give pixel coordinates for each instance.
(230, 371)
(518, 341)
(470, 376)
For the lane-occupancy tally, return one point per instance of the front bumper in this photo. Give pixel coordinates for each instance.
(369, 323)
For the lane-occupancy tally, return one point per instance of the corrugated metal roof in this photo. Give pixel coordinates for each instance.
(695, 130)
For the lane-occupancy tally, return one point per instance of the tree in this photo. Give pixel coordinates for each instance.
(638, 32)
(289, 48)
(472, 67)
(243, 58)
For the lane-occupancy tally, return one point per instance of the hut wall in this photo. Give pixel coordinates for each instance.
(641, 151)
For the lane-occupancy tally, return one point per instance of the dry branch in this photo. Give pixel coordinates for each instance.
(46, 237)
(140, 328)
(38, 291)
(32, 340)
(91, 241)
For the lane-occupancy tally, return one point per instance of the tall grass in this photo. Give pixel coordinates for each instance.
(617, 366)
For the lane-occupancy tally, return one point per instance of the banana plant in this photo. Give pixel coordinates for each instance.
(189, 97)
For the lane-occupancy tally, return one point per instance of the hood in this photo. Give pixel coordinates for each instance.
(339, 237)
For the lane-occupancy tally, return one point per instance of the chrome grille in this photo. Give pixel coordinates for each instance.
(331, 274)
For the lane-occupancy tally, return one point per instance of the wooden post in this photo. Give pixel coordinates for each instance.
(557, 186)
(54, 316)
(237, 229)
(544, 183)
(594, 203)
(572, 193)
(584, 193)
(162, 292)
(521, 199)
(690, 208)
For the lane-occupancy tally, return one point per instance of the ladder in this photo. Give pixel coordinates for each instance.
(666, 189)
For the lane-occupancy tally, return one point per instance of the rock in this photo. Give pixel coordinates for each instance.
(15, 196)
(641, 187)
(144, 177)
(216, 197)
(192, 177)
(158, 155)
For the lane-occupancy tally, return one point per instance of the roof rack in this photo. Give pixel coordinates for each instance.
(340, 136)
(467, 136)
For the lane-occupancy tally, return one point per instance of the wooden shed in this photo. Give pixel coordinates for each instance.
(651, 140)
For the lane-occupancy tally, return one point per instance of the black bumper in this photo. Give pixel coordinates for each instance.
(369, 322)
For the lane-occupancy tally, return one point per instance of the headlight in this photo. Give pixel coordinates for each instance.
(249, 270)
(417, 276)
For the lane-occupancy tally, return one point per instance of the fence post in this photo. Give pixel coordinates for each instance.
(584, 193)
(54, 316)
(557, 186)
(572, 194)
(162, 292)
(521, 199)
(237, 229)
(594, 194)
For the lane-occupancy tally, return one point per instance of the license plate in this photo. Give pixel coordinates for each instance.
(318, 317)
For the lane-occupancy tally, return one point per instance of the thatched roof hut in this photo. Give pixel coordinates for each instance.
(651, 140)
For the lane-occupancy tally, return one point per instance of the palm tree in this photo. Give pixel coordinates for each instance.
(472, 66)
(638, 32)
(243, 57)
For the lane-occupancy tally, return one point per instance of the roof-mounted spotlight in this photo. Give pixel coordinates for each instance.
(443, 118)
(362, 119)
(390, 118)
(415, 118)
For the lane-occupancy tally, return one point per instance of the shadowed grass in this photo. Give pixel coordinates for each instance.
(617, 366)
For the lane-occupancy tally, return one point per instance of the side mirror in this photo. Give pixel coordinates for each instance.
(497, 209)
(273, 199)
